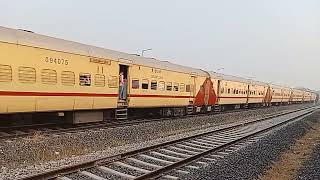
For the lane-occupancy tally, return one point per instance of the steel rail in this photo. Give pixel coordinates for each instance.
(90, 164)
(29, 130)
(166, 169)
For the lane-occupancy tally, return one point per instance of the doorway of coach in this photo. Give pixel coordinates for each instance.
(123, 82)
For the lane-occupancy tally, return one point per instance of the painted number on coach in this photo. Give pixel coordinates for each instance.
(57, 61)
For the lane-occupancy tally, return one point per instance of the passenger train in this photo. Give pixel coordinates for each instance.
(77, 83)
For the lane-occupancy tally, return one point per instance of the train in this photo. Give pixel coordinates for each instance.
(77, 83)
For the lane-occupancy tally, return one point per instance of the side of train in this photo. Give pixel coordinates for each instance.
(41, 75)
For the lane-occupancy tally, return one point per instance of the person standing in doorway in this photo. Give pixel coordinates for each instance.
(121, 86)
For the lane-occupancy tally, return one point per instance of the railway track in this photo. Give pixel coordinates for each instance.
(173, 159)
(48, 128)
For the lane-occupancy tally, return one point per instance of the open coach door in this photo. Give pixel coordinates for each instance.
(124, 67)
(121, 112)
(123, 81)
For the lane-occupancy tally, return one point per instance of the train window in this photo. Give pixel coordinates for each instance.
(228, 90)
(135, 84)
(182, 87)
(161, 85)
(100, 80)
(169, 86)
(176, 87)
(85, 79)
(68, 78)
(222, 90)
(234, 91)
(154, 85)
(27, 75)
(188, 88)
(113, 82)
(5, 73)
(48, 76)
(237, 91)
(145, 84)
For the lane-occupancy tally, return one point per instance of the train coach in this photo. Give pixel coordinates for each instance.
(232, 91)
(286, 95)
(41, 76)
(236, 92)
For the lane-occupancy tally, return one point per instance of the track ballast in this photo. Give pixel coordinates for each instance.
(170, 159)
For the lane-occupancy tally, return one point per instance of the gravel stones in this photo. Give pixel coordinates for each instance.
(311, 167)
(39, 153)
(254, 160)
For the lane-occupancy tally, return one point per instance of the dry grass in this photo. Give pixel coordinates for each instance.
(292, 160)
(44, 153)
(49, 155)
(37, 136)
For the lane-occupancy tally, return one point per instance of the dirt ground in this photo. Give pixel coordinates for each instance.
(292, 160)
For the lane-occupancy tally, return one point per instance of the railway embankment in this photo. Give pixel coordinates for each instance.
(311, 167)
(37, 153)
(301, 160)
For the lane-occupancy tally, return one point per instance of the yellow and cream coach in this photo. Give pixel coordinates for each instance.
(41, 75)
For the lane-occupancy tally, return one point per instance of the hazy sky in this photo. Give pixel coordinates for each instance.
(270, 40)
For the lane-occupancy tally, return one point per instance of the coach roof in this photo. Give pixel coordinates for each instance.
(226, 77)
(29, 38)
